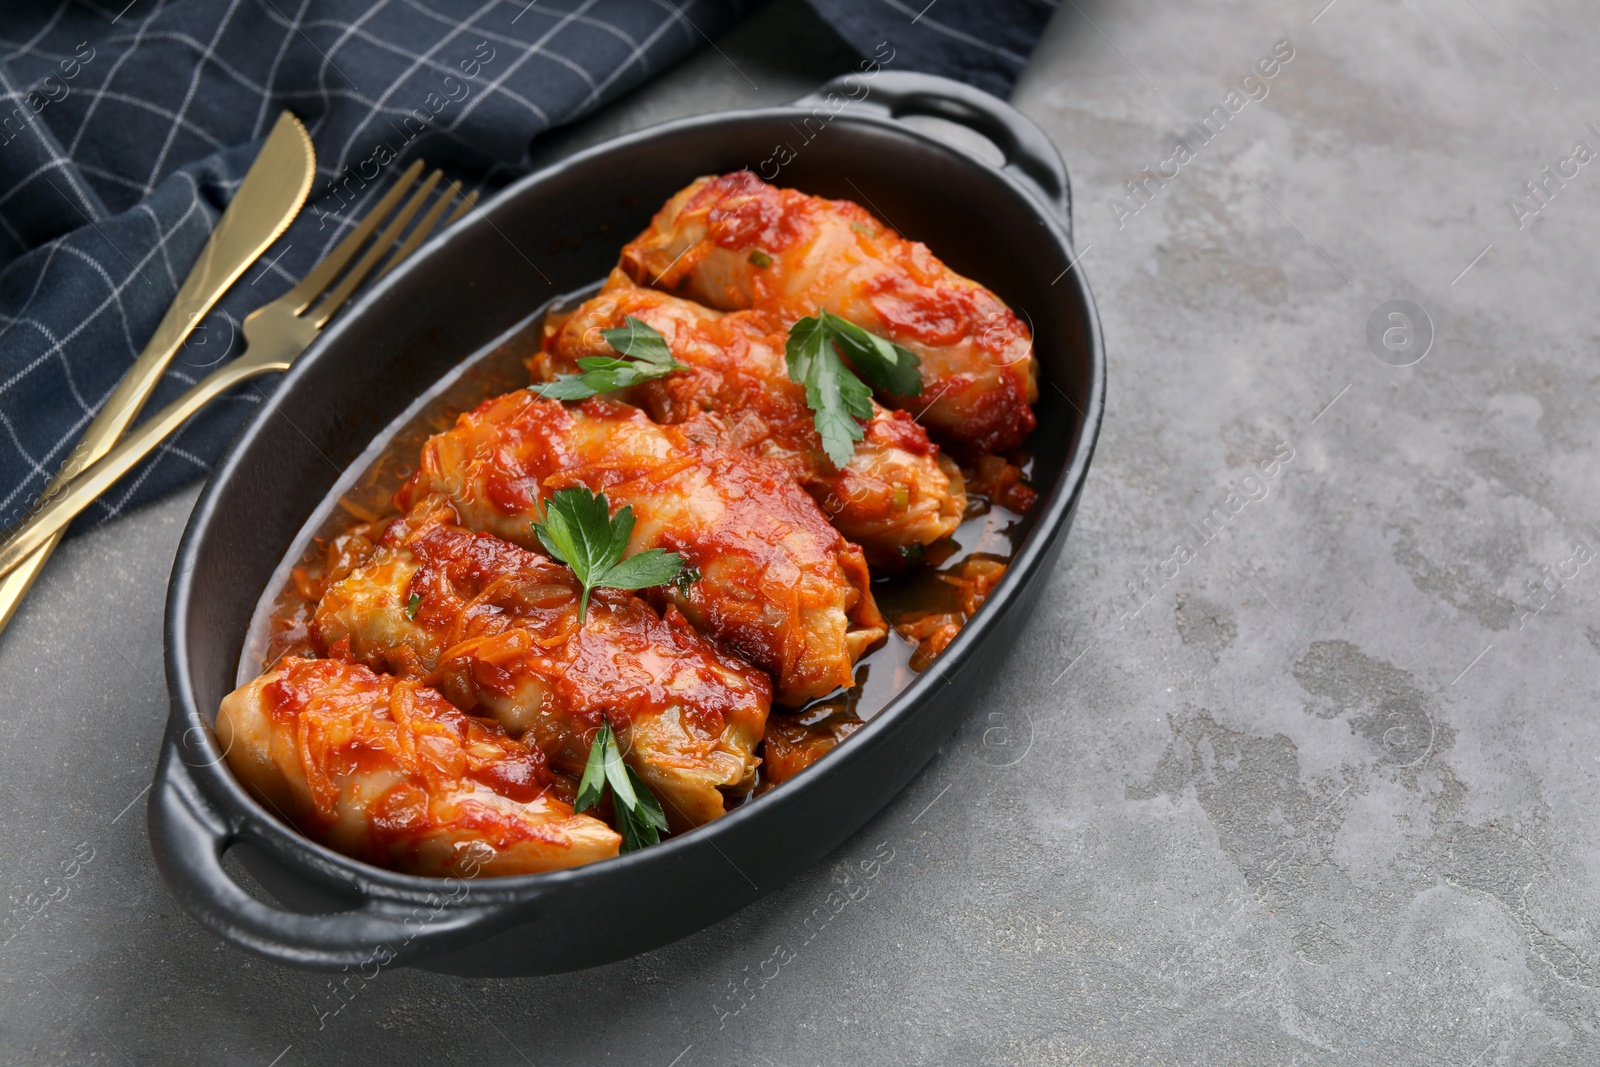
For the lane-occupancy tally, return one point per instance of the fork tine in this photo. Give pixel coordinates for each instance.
(421, 230)
(323, 274)
(466, 206)
(358, 273)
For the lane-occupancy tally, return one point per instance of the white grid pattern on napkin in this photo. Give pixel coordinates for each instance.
(108, 191)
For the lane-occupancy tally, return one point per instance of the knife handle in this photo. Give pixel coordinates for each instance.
(282, 171)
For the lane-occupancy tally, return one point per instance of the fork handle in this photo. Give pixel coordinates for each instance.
(59, 508)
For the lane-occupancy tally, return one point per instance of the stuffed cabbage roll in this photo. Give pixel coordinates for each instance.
(896, 492)
(389, 771)
(777, 585)
(735, 242)
(494, 627)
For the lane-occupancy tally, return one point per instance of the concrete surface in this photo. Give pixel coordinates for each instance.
(1322, 790)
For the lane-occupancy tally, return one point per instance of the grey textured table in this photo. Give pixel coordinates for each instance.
(1316, 787)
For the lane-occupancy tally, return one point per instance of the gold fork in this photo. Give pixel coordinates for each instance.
(274, 335)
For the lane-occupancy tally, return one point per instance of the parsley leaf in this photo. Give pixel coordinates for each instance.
(412, 605)
(641, 824)
(645, 570)
(884, 364)
(640, 819)
(835, 395)
(645, 357)
(593, 782)
(578, 530)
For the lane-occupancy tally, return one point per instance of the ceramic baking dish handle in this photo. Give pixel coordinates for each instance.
(1030, 155)
(189, 840)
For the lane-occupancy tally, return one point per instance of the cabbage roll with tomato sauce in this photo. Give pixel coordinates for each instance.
(896, 492)
(390, 772)
(734, 242)
(494, 627)
(777, 585)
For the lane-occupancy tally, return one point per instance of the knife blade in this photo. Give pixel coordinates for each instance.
(268, 199)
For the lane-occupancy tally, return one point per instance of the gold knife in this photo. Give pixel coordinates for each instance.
(268, 199)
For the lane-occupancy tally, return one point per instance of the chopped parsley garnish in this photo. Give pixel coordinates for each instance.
(760, 259)
(836, 396)
(578, 530)
(643, 356)
(640, 819)
(685, 578)
(412, 605)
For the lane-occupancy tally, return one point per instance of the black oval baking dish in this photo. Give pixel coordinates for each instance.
(556, 232)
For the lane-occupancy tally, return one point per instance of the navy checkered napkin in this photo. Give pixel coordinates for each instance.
(981, 42)
(126, 126)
